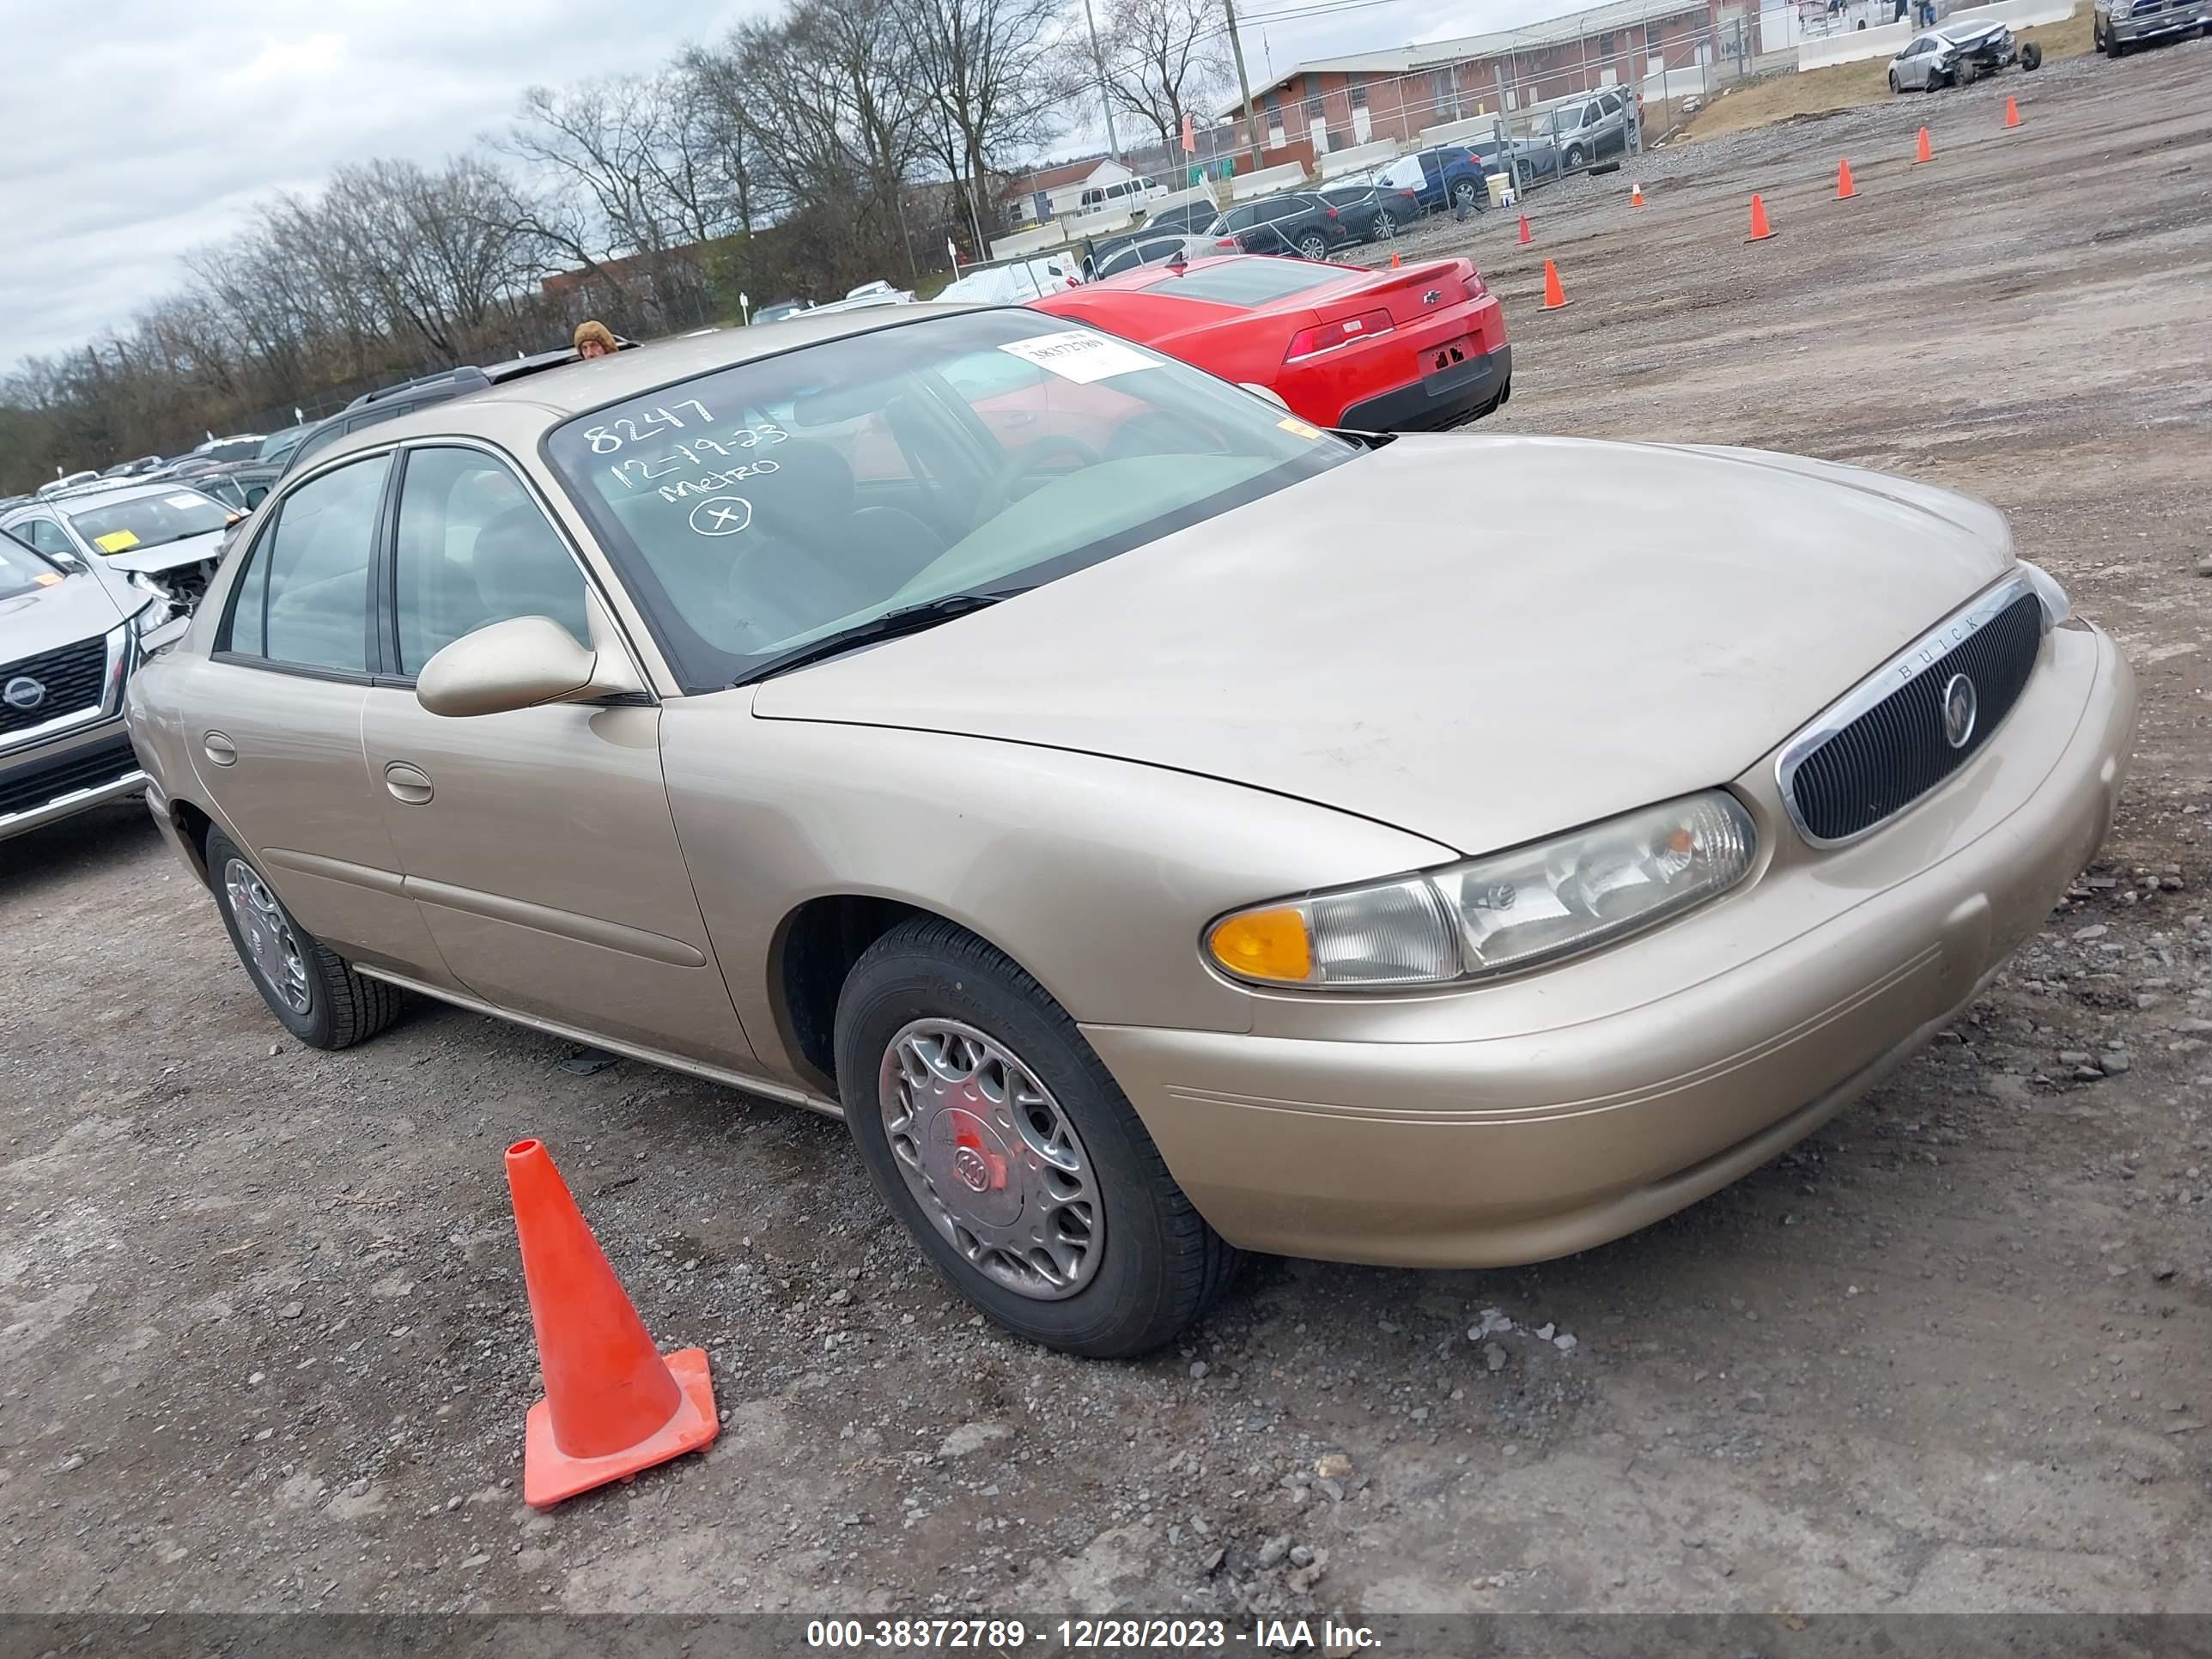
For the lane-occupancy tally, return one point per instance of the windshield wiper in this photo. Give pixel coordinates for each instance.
(906, 619)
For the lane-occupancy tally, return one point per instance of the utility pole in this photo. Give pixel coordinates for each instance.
(1105, 98)
(1243, 83)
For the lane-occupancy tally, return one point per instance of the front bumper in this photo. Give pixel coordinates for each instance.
(1606, 1094)
(93, 765)
(2179, 18)
(1453, 397)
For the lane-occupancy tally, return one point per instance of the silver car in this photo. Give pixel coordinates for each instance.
(1958, 54)
(69, 639)
(169, 535)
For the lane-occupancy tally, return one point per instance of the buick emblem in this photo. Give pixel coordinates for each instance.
(1959, 706)
(974, 1173)
(24, 693)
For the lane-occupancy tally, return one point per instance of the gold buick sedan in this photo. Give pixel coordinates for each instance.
(1161, 829)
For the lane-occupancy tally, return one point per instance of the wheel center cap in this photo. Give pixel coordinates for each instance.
(970, 1156)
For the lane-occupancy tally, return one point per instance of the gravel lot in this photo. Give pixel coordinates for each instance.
(263, 1339)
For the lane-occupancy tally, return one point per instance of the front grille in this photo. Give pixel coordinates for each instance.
(74, 677)
(83, 768)
(1886, 756)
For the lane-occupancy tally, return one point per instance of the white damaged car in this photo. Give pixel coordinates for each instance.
(167, 535)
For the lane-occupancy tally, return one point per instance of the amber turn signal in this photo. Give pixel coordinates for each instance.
(1271, 944)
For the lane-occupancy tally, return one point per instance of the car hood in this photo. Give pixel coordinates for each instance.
(1480, 641)
(167, 555)
(74, 609)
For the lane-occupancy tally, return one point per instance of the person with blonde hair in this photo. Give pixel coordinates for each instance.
(594, 339)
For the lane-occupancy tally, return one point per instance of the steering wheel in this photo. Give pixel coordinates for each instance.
(1030, 456)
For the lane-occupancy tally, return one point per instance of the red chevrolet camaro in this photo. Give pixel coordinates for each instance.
(1413, 349)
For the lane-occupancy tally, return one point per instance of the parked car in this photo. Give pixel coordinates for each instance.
(1373, 212)
(1191, 218)
(1590, 128)
(69, 639)
(1443, 177)
(1416, 348)
(777, 310)
(69, 481)
(241, 446)
(1127, 193)
(278, 446)
(1114, 255)
(1025, 771)
(169, 534)
(2116, 25)
(1295, 222)
(1015, 281)
(1957, 55)
(870, 294)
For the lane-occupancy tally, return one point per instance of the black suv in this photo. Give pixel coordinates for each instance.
(1296, 222)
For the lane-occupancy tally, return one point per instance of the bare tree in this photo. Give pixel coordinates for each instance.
(1000, 74)
(1165, 56)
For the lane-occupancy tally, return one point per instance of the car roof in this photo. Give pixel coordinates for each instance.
(527, 404)
(117, 490)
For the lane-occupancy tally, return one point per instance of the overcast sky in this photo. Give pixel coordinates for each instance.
(134, 130)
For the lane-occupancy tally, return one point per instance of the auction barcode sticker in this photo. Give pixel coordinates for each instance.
(1078, 355)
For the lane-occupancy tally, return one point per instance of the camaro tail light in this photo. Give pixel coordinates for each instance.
(1327, 337)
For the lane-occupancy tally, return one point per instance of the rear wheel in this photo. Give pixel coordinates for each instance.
(1313, 245)
(307, 985)
(2031, 56)
(1964, 75)
(1467, 194)
(1001, 1140)
(1385, 226)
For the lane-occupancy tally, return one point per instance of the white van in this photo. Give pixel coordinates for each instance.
(1128, 193)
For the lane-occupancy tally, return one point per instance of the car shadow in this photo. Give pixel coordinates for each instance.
(106, 837)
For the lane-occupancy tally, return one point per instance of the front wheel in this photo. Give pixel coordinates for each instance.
(1385, 226)
(307, 985)
(1313, 245)
(1893, 88)
(1574, 157)
(998, 1137)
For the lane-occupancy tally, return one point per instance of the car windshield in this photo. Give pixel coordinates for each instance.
(278, 445)
(149, 520)
(772, 504)
(231, 449)
(22, 570)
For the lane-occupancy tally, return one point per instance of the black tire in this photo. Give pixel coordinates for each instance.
(1161, 1266)
(1467, 194)
(1313, 245)
(1893, 88)
(1385, 227)
(2114, 46)
(2031, 57)
(343, 1008)
(1963, 77)
(1573, 158)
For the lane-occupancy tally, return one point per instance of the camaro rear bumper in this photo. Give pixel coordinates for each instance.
(1555, 1131)
(1447, 397)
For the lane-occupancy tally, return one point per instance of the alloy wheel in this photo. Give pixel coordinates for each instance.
(991, 1159)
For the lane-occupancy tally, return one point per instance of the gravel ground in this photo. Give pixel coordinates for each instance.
(263, 1339)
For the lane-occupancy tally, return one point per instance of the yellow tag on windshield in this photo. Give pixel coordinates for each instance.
(1291, 423)
(115, 541)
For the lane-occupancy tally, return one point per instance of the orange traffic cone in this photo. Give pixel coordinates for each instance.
(1525, 237)
(1759, 230)
(1636, 195)
(1926, 152)
(1394, 262)
(2012, 113)
(612, 1405)
(1555, 297)
(1845, 188)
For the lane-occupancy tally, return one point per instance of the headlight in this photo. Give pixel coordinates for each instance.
(2056, 607)
(1490, 915)
(157, 609)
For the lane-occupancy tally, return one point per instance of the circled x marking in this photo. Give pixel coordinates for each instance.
(721, 515)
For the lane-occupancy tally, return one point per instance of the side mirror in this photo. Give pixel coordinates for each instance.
(1266, 392)
(70, 564)
(523, 663)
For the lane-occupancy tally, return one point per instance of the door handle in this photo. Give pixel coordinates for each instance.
(219, 749)
(409, 783)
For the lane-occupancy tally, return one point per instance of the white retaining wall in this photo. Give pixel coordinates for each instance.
(1858, 45)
